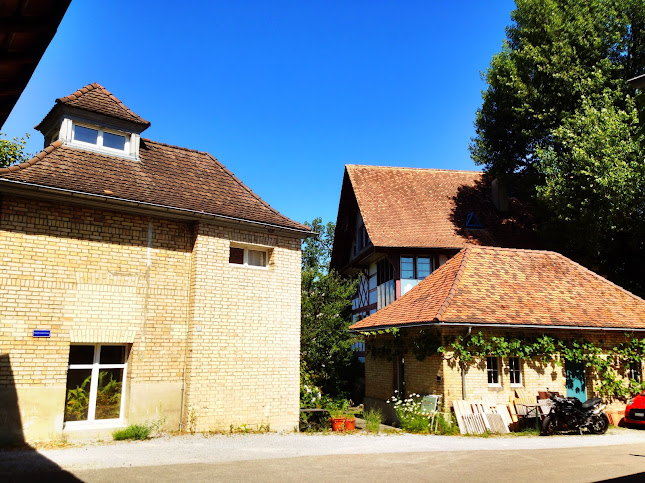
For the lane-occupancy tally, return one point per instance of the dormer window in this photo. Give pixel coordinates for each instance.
(100, 138)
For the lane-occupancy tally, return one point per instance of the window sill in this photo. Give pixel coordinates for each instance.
(517, 385)
(495, 385)
(253, 267)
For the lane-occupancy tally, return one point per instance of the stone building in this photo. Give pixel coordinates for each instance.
(415, 238)
(140, 281)
(504, 293)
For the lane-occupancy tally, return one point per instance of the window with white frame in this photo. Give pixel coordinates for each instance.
(250, 257)
(95, 383)
(515, 371)
(635, 371)
(100, 138)
(492, 369)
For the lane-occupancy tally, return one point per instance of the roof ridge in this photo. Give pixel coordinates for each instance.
(455, 284)
(239, 181)
(414, 169)
(38, 157)
(509, 249)
(223, 168)
(95, 85)
(147, 140)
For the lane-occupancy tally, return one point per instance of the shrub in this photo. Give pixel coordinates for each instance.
(373, 419)
(446, 426)
(134, 431)
(408, 410)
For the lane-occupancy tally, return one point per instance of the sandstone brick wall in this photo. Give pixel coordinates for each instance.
(245, 333)
(97, 276)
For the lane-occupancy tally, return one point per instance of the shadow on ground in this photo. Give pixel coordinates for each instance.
(18, 460)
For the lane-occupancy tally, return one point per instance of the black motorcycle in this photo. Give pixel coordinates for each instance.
(569, 414)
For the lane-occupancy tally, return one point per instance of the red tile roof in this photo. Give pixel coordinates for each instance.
(96, 98)
(408, 207)
(509, 287)
(165, 175)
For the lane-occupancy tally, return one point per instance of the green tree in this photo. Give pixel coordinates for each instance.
(559, 119)
(325, 342)
(12, 152)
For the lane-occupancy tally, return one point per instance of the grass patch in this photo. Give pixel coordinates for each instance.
(447, 426)
(134, 431)
(373, 419)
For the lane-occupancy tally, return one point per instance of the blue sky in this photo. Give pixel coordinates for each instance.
(284, 93)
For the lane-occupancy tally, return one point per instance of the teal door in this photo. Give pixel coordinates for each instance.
(576, 380)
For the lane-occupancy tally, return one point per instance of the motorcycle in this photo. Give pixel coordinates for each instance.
(570, 414)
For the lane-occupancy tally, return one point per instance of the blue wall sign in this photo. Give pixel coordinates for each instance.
(42, 333)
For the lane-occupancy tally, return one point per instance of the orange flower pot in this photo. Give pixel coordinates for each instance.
(337, 424)
(350, 424)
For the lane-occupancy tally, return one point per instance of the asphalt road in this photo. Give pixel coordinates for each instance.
(585, 464)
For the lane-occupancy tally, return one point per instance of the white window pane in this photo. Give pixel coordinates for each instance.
(85, 134)
(257, 258)
(114, 141)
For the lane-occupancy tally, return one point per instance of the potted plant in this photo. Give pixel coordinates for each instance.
(350, 421)
(337, 412)
(337, 418)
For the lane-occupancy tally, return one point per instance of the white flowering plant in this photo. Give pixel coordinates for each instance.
(408, 410)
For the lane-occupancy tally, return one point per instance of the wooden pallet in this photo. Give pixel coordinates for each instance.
(475, 416)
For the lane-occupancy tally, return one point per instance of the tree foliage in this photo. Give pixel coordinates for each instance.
(559, 118)
(325, 342)
(13, 151)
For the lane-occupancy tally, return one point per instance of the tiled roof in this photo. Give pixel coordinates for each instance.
(509, 287)
(165, 175)
(410, 207)
(96, 98)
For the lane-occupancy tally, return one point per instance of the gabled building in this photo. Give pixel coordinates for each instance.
(141, 281)
(503, 293)
(396, 226)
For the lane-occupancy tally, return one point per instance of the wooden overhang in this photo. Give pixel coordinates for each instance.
(26, 29)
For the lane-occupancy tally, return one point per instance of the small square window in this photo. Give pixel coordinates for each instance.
(248, 257)
(257, 258)
(236, 256)
(492, 369)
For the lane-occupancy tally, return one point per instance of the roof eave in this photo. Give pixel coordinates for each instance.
(437, 323)
(21, 187)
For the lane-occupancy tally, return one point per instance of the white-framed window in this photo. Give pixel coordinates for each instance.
(635, 371)
(100, 138)
(492, 370)
(249, 257)
(515, 371)
(96, 378)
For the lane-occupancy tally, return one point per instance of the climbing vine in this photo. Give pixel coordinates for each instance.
(609, 366)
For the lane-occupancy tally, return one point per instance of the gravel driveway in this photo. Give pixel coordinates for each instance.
(186, 449)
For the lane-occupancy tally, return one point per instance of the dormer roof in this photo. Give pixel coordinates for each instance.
(95, 99)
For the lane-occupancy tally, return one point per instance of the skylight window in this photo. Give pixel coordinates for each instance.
(102, 139)
(472, 221)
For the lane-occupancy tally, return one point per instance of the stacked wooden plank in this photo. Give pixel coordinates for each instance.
(476, 416)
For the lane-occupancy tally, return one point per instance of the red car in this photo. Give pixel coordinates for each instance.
(635, 410)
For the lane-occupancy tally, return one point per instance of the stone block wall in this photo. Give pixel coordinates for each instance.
(96, 276)
(245, 333)
(421, 376)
